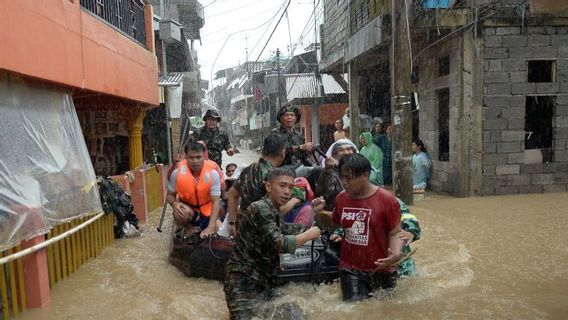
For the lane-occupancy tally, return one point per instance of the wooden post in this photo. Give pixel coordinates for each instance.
(401, 103)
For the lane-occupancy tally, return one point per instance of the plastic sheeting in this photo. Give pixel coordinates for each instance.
(46, 175)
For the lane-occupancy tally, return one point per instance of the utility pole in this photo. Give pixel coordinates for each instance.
(165, 72)
(401, 102)
(319, 84)
(279, 78)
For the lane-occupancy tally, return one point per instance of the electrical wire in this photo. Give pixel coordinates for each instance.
(256, 14)
(227, 39)
(274, 30)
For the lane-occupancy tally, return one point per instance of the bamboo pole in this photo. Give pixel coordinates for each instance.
(4, 292)
(13, 286)
(57, 256)
(50, 261)
(69, 248)
(21, 282)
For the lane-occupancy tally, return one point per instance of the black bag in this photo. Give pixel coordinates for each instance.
(210, 256)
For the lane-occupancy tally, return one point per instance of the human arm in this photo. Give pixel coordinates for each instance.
(279, 237)
(392, 218)
(215, 194)
(227, 145)
(180, 212)
(210, 230)
(291, 204)
(233, 198)
(395, 249)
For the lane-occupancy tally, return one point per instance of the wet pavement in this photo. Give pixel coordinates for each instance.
(479, 258)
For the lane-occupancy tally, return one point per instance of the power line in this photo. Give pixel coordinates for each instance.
(267, 28)
(227, 39)
(256, 14)
(274, 30)
(231, 11)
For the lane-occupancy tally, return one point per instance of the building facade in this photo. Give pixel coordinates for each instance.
(490, 82)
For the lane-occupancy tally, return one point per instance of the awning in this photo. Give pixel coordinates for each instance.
(170, 80)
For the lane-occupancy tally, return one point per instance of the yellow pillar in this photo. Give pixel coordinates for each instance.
(135, 139)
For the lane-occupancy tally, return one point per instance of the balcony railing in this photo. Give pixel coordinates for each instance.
(363, 11)
(125, 15)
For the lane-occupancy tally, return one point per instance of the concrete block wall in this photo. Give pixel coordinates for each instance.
(507, 50)
(334, 28)
(445, 174)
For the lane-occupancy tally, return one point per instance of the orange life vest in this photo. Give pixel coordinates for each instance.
(196, 195)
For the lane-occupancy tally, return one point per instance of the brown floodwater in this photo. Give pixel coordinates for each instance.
(479, 258)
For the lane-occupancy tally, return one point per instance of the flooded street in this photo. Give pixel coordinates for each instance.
(494, 257)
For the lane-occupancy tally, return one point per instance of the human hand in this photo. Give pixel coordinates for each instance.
(405, 236)
(231, 152)
(233, 230)
(313, 233)
(209, 231)
(181, 212)
(384, 263)
(330, 163)
(335, 238)
(308, 146)
(318, 204)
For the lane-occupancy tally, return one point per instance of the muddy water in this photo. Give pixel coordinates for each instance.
(479, 258)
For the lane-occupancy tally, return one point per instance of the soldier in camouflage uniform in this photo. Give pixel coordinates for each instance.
(297, 149)
(260, 240)
(215, 140)
(249, 187)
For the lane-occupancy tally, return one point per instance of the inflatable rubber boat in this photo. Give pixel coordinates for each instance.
(316, 261)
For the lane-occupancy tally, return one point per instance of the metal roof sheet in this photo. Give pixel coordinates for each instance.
(304, 85)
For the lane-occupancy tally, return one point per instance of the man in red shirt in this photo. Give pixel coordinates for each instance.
(369, 220)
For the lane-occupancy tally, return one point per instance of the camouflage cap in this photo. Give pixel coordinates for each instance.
(289, 108)
(213, 114)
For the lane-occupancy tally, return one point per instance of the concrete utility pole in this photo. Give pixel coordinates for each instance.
(279, 80)
(319, 89)
(401, 114)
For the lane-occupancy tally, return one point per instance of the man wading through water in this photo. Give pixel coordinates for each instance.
(369, 220)
(261, 238)
(215, 140)
(249, 187)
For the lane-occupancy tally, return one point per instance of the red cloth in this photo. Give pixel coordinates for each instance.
(367, 223)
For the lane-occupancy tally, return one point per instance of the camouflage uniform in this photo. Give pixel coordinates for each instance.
(252, 268)
(408, 222)
(294, 156)
(215, 140)
(250, 183)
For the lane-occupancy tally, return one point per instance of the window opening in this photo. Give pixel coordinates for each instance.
(443, 124)
(541, 71)
(444, 66)
(538, 125)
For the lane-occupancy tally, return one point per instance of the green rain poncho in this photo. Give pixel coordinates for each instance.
(371, 152)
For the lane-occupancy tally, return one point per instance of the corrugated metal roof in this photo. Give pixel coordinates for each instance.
(305, 85)
(170, 80)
